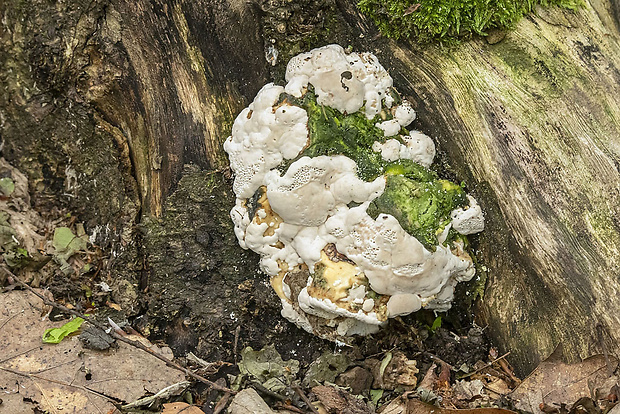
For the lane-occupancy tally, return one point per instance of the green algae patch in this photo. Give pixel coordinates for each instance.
(427, 20)
(422, 205)
(333, 133)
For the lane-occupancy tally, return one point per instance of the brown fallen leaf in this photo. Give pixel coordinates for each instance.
(555, 382)
(66, 377)
(419, 407)
(468, 390)
(181, 408)
(114, 306)
(335, 400)
(395, 370)
(496, 387)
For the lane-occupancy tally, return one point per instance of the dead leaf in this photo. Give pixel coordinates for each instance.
(248, 402)
(554, 382)
(496, 387)
(395, 370)
(396, 406)
(336, 400)
(114, 306)
(55, 378)
(181, 408)
(430, 378)
(358, 379)
(468, 390)
(418, 407)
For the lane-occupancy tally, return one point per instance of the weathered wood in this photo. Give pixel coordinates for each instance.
(530, 124)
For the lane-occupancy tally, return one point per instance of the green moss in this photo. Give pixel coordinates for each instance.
(420, 202)
(426, 20)
(334, 133)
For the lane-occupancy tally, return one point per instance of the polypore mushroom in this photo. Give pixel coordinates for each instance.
(336, 197)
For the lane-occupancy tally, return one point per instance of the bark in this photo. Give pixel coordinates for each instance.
(127, 94)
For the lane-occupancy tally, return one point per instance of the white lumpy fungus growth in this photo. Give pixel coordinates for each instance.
(336, 197)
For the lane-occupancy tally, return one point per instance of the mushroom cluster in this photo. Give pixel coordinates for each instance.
(335, 195)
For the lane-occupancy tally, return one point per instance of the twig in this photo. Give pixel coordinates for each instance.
(261, 388)
(208, 365)
(55, 366)
(66, 384)
(163, 394)
(9, 319)
(306, 400)
(381, 353)
(489, 364)
(287, 407)
(118, 337)
(221, 404)
(16, 355)
(441, 361)
(237, 331)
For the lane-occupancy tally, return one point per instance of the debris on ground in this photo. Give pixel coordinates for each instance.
(249, 402)
(394, 371)
(55, 359)
(66, 377)
(325, 369)
(268, 369)
(335, 400)
(557, 387)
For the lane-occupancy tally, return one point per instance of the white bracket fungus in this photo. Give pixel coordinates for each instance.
(350, 224)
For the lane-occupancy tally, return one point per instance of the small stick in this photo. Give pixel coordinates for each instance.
(9, 319)
(490, 364)
(261, 388)
(20, 354)
(441, 361)
(221, 404)
(288, 407)
(118, 337)
(66, 384)
(237, 332)
(306, 400)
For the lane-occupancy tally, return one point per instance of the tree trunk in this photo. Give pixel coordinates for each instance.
(136, 99)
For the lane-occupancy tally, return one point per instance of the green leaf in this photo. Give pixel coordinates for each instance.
(55, 335)
(63, 236)
(7, 186)
(436, 324)
(65, 242)
(384, 363)
(375, 396)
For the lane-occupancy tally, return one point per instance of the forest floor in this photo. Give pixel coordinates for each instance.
(80, 354)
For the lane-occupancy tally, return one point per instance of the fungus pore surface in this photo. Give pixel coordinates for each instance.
(335, 195)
